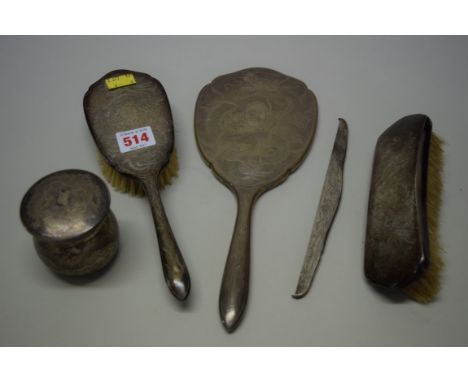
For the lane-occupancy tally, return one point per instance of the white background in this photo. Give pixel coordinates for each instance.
(369, 81)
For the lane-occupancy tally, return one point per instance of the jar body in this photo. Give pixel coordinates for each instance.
(83, 255)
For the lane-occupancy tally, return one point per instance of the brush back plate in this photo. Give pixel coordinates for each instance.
(254, 127)
(126, 108)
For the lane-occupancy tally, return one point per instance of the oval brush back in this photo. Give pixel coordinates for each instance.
(142, 104)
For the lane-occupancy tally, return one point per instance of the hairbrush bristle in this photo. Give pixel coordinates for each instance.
(427, 286)
(171, 170)
(127, 184)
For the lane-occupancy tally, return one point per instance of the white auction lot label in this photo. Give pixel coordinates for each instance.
(135, 139)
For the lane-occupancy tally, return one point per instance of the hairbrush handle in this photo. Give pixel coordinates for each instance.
(174, 268)
(235, 283)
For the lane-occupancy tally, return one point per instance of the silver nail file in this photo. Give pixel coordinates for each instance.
(326, 211)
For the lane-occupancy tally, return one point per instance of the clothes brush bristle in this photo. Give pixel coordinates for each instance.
(427, 286)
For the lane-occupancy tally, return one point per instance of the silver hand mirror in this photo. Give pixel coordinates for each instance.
(253, 128)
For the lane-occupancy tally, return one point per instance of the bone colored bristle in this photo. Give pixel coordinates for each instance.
(126, 184)
(426, 288)
(169, 171)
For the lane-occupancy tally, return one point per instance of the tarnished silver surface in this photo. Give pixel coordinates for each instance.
(326, 211)
(397, 239)
(67, 212)
(253, 128)
(143, 104)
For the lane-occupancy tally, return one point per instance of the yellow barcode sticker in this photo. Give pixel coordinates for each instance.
(119, 81)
